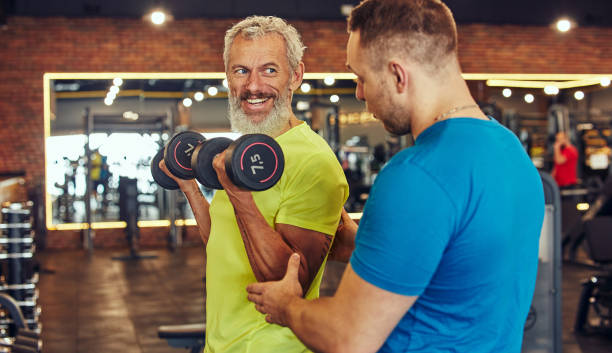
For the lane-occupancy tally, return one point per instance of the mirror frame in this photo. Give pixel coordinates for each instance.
(536, 81)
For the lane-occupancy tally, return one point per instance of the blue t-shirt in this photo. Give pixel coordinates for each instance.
(455, 220)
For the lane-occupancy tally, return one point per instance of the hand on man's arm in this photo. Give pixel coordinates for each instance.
(344, 240)
(358, 318)
(197, 201)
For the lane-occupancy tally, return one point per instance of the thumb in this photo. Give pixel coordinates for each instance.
(293, 267)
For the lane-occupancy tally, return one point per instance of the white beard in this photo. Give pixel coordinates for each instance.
(271, 125)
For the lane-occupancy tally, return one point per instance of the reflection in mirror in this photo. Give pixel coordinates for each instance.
(119, 125)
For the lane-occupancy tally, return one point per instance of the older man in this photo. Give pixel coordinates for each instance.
(249, 236)
(446, 253)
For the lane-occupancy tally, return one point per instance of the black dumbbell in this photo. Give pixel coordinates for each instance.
(177, 157)
(254, 161)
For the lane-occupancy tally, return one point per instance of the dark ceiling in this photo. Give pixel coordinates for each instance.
(527, 12)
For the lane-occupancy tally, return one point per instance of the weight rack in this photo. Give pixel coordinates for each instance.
(18, 278)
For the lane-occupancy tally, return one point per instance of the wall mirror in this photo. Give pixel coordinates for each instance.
(124, 118)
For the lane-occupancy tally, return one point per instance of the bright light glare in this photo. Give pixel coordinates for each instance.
(605, 81)
(212, 91)
(551, 90)
(579, 95)
(114, 89)
(334, 98)
(118, 81)
(564, 25)
(224, 83)
(108, 101)
(305, 87)
(198, 96)
(507, 92)
(529, 98)
(329, 80)
(187, 102)
(158, 17)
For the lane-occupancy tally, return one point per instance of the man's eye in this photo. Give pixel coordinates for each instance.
(270, 70)
(241, 71)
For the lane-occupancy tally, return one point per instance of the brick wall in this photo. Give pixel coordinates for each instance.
(29, 47)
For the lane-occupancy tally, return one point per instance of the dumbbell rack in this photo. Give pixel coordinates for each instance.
(17, 279)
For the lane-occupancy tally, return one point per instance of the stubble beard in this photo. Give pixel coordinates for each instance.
(276, 120)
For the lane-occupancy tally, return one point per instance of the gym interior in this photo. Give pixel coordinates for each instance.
(97, 256)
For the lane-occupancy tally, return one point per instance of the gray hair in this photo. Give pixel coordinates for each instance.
(258, 26)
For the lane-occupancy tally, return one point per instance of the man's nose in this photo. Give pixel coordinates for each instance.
(253, 83)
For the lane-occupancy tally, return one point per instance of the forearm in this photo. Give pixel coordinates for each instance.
(319, 326)
(559, 157)
(200, 207)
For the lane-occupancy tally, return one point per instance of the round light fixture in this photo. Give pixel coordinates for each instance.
(605, 81)
(507, 92)
(198, 96)
(187, 102)
(108, 101)
(224, 83)
(579, 95)
(329, 80)
(114, 89)
(212, 91)
(529, 98)
(158, 17)
(305, 87)
(117, 81)
(334, 98)
(551, 90)
(564, 25)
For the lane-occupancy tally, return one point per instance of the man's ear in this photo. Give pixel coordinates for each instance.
(400, 76)
(298, 75)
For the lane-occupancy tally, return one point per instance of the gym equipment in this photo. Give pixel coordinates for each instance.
(254, 162)
(189, 336)
(178, 151)
(159, 176)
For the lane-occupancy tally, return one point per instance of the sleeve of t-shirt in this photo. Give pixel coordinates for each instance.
(314, 195)
(407, 223)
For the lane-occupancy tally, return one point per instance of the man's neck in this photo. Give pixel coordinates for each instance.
(450, 101)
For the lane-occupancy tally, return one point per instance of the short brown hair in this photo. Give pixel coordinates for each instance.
(423, 29)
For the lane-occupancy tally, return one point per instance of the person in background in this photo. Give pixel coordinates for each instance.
(566, 160)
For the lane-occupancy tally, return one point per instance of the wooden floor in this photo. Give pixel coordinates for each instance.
(96, 304)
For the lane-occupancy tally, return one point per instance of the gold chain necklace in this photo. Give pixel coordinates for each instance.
(454, 110)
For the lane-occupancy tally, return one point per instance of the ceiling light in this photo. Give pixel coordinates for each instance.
(605, 81)
(224, 82)
(158, 17)
(302, 105)
(111, 95)
(108, 101)
(329, 80)
(187, 102)
(305, 87)
(564, 25)
(529, 98)
(579, 95)
(507, 92)
(551, 90)
(130, 115)
(346, 9)
(334, 98)
(212, 91)
(198, 96)
(114, 89)
(117, 81)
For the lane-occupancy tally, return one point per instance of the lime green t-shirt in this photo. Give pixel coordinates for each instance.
(310, 194)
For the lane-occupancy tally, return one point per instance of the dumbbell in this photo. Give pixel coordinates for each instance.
(254, 161)
(177, 157)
